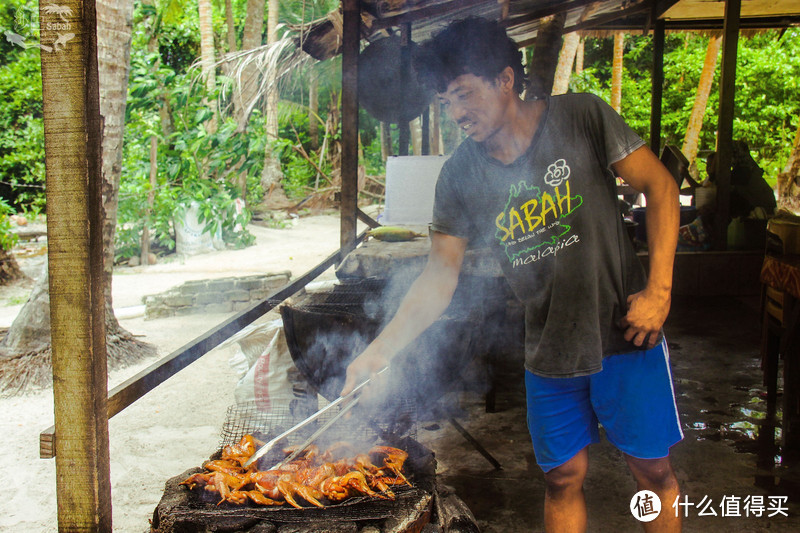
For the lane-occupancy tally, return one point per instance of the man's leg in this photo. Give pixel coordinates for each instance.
(657, 475)
(564, 503)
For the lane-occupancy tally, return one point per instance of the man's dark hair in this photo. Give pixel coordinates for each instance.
(469, 46)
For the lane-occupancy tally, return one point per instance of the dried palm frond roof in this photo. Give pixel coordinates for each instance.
(322, 38)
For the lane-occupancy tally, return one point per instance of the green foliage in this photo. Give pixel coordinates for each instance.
(21, 127)
(7, 239)
(196, 162)
(767, 102)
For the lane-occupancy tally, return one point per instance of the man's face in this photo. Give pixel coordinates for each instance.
(476, 104)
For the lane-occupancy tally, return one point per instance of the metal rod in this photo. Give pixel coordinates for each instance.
(268, 446)
(316, 434)
(475, 444)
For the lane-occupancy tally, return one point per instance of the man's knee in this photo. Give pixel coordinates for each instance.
(568, 476)
(656, 473)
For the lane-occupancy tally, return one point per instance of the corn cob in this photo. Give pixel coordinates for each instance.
(393, 234)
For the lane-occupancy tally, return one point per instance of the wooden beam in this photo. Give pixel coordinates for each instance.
(351, 37)
(73, 134)
(727, 95)
(137, 386)
(546, 11)
(657, 95)
(423, 13)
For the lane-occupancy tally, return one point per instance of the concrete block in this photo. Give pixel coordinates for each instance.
(193, 287)
(206, 298)
(179, 300)
(221, 285)
(250, 284)
(259, 294)
(220, 307)
(185, 311)
(237, 296)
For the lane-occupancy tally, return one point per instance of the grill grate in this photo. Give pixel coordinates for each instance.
(363, 428)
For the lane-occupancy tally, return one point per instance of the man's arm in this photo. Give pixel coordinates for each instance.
(425, 301)
(648, 309)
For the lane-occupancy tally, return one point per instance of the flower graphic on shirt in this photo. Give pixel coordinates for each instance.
(557, 173)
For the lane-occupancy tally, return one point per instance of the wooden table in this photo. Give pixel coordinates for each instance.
(780, 275)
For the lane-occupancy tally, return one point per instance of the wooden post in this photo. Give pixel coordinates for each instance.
(426, 131)
(657, 95)
(405, 71)
(349, 196)
(727, 93)
(436, 132)
(73, 133)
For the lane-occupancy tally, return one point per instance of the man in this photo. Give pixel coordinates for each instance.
(535, 181)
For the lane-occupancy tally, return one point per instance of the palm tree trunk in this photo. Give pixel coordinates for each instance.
(579, 56)
(114, 59)
(271, 175)
(565, 61)
(616, 71)
(248, 83)
(207, 52)
(313, 111)
(229, 22)
(690, 140)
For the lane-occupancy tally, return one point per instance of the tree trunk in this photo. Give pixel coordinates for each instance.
(690, 140)
(415, 127)
(230, 25)
(313, 111)
(271, 175)
(545, 58)
(789, 180)
(20, 347)
(9, 268)
(248, 83)
(565, 61)
(616, 71)
(579, 56)
(207, 53)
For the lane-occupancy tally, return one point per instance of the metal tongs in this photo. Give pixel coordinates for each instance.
(350, 400)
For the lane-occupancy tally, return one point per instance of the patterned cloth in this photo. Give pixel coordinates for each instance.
(782, 272)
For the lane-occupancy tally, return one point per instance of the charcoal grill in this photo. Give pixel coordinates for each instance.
(185, 511)
(326, 331)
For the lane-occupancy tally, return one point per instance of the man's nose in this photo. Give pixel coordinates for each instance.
(455, 111)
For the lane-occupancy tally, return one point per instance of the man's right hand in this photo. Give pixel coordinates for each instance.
(364, 367)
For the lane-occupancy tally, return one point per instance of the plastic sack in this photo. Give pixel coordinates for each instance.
(267, 373)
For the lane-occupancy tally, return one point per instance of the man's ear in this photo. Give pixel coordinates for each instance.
(505, 80)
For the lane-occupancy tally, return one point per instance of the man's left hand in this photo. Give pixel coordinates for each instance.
(647, 311)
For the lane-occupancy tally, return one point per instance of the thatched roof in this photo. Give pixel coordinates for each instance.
(523, 18)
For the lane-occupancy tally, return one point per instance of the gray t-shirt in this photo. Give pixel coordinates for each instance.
(552, 219)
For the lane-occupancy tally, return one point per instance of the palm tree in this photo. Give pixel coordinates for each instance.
(692, 136)
(565, 61)
(207, 51)
(616, 71)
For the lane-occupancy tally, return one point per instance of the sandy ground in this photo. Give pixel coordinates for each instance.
(177, 425)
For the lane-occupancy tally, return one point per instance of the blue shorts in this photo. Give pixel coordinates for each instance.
(632, 397)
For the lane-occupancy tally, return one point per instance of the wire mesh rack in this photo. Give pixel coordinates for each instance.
(366, 425)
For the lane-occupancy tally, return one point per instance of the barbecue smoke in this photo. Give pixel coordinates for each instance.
(424, 377)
